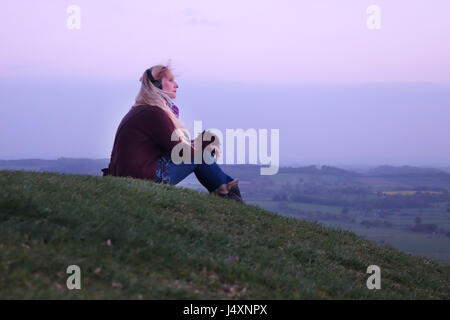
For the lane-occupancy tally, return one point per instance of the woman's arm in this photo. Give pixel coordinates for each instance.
(160, 128)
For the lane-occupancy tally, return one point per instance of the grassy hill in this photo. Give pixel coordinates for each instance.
(139, 240)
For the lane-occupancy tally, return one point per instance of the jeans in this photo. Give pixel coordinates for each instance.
(210, 176)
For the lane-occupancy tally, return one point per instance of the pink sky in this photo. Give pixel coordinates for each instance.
(339, 92)
(320, 41)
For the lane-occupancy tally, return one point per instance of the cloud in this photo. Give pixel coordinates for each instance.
(193, 18)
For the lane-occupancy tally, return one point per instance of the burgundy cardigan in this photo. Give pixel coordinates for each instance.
(141, 138)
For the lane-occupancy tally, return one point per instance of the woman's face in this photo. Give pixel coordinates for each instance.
(169, 85)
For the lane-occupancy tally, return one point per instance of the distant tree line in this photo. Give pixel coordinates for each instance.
(427, 228)
(354, 197)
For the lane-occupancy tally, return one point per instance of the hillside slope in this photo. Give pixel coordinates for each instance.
(134, 239)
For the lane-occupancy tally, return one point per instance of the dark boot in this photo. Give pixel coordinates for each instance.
(229, 191)
(235, 194)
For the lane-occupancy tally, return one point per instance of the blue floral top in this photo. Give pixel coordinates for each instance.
(162, 171)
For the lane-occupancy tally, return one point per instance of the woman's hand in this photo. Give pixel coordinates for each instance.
(208, 139)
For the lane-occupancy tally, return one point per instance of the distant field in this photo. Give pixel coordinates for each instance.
(282, 178)
(427, 245)
(431, 246)
(409, 192)
(381, 182)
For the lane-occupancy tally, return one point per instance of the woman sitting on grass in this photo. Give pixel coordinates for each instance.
(143, 145)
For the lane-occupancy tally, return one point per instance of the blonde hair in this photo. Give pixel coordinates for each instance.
(151, 95)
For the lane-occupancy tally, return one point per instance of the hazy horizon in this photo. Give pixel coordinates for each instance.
(362, 125)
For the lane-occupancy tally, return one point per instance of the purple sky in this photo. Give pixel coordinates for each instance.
(338, 92)
(323, 41)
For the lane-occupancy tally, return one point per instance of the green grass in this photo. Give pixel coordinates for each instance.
(168, 242)
(432, 246)
(398, 236)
